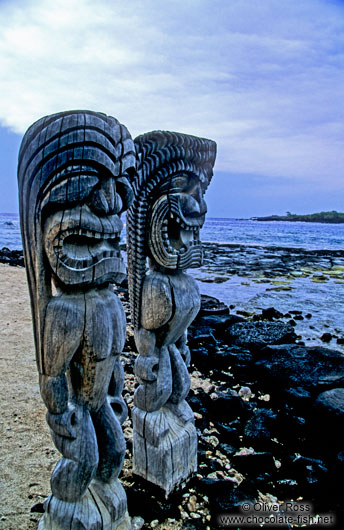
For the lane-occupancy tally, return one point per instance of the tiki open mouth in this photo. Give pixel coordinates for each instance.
(86, 248)
(178, 236)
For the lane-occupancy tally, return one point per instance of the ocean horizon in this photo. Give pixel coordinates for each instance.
(297, 234)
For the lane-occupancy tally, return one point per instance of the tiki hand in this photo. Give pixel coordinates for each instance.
(184, 349)
(185, 353)
(63, 424)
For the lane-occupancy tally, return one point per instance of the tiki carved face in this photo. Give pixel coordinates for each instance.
(176, 219)
(82, 235)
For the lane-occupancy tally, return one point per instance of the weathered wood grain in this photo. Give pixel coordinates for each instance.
(73, 186)
(163, 223)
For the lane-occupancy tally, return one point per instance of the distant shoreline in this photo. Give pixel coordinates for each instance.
(320, 217)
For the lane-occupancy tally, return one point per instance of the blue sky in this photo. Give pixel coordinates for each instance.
(263, 78)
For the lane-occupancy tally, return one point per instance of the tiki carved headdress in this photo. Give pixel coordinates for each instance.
(173, 173)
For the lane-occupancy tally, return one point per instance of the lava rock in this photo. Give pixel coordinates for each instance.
(255, 464)
(331, 403)
(329, 414)
(200, 358)
(224, 406)
(200, 335)
(310, 473)
(229, 434)
(326, 337)
(290, 429)
(12, 257)
(257, 431)
(233, 356)
(151, 503)
(219, 322)
(226, 449)
(269, 314)
(212, 306)
(257, 335)
(301, 370)
(37, 508)
(223, 498)
(287, 488)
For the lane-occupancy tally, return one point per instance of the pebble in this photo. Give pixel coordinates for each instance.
(191, 505)
(137, 523)
(264, 397)
(245, 393)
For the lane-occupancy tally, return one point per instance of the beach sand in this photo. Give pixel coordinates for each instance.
(27, 455)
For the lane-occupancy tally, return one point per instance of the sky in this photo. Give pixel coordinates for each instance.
(263, 78)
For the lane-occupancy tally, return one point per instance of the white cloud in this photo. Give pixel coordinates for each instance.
(264, 79)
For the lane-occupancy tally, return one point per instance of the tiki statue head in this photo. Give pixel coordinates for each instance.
(79, 167)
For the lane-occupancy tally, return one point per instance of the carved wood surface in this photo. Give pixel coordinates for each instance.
(73, 175)
(163, 224)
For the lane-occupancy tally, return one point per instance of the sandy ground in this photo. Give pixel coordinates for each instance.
(27, 454)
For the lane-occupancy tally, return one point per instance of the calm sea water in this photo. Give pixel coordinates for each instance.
(272, 233)
(284, 234)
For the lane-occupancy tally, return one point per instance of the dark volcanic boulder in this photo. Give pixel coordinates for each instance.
(268, 314)
(226, 356)
(254, 463)
(310, 473)
(200, 335)
(257, 430)
(11, 257)
(212, 306)
(257, 335)
(223, 497)
(301, 371)
(218, 322)
(225, 406)
(329, 414)
(331, 403)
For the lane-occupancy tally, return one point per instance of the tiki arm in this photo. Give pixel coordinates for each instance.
(63, 330)
(153, 366)
(184, 350)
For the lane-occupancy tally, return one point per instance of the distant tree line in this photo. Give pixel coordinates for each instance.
(320, 217)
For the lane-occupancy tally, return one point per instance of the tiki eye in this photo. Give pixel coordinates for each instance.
(71, 190)
(125, 191)
(179, 183)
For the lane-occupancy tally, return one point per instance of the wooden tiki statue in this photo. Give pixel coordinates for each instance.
(163, 224)
(73, 185)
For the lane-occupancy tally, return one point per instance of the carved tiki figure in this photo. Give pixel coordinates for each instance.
(73, 185)
(163, 224)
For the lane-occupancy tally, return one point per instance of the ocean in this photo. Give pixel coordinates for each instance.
(238, 231)
(251, 265)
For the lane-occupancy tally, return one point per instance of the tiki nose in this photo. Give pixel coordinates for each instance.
(105, 200)
(196, 203)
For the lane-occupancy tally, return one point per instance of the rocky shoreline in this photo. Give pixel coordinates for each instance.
(268, 412)
(11, 257)
(306, 284)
